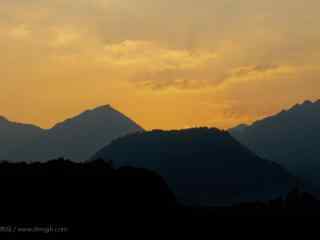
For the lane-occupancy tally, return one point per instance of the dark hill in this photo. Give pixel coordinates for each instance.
(65, 192)
(202, 166)
(290, 138)
(96, 199)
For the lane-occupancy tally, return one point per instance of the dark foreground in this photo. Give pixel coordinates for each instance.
(90, 196)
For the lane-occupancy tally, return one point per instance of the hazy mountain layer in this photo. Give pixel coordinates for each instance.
(76, 138)
(14, 134)
(290, 138)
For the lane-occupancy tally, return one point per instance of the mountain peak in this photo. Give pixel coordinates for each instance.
(103, 107)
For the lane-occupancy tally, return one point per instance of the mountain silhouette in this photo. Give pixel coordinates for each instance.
(16, 134)
(62, 191)
(76, 138)
(202, 166)
(290, 138)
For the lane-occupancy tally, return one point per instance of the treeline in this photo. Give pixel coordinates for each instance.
(296, 203)
(63, 191)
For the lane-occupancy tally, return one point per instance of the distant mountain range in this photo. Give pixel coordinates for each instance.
(291, 138)
(202, 166)
(76, 138)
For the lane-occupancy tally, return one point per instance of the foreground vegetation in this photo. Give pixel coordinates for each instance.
(65, 192)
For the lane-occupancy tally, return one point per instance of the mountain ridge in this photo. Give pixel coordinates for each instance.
(295, 107)
(7, 121)
(75, 137)
(203, 166)
(290, 137)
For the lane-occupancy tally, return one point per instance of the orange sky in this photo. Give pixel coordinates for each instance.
(166, 64)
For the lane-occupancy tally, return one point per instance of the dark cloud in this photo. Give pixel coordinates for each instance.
(243, 71)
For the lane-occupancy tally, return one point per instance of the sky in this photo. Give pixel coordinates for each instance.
(165, 63)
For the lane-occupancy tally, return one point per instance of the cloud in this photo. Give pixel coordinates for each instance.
(152, 65)
(248, 70)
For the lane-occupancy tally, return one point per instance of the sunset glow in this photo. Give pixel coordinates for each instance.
(166, 64)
